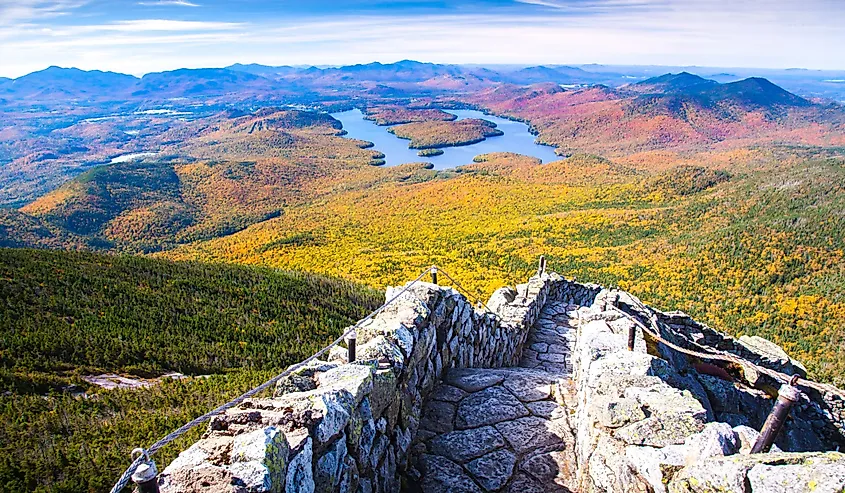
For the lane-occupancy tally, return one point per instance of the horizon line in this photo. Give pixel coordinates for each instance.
(466, 64)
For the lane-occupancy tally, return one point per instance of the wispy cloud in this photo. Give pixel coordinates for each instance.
(668, 32)
(168, 3)
(17, 11)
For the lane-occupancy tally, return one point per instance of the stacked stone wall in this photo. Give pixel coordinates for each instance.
(648, 420)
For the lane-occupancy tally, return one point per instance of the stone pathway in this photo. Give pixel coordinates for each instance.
(551, 340)
(504, 430)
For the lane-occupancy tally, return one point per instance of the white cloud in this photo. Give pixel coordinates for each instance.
(167, 3)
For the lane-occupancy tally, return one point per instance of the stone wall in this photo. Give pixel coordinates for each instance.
(652, 420)
(343, 427)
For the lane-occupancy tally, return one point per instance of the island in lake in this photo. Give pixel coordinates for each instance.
(436, 134)
(430, 152)
(396, 115)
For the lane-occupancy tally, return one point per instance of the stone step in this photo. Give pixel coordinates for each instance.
(502, 430)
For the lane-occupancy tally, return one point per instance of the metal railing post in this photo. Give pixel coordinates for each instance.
(787, 396)
(541, 269)
(632, 336)
(351, 342)
(146, 475)
(434, 275)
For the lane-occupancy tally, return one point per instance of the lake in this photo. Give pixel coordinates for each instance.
(516, 139)
(125, 158)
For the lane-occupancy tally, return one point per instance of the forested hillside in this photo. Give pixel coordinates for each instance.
(68, 315)
(757, 250)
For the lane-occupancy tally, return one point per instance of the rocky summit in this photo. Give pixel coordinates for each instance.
(536, 391)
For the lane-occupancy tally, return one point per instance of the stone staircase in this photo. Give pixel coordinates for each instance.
(508, 429)
(444, 397)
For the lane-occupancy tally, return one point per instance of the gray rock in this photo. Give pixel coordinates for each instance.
(463, 446)
(354, 378)
(675, 415)
(715, 440)
(365, 442)
(773, 354)
(660, 431)
(300, 477)
(259, 459)
(489, 406)
(384, 391)
(529, 433)
(442, 475)
(492, 471)
(555, 467)
(552, 357)
(365, 486)
(447, 393)
(438, 416)
(728, 474)
(722, 394)
(747, 436)
(656, 465)
(379, 448)
(528, 386)
(337, 406)
(546, 409)
(819, 477)
(609, 469)
(559, 348)
(473, 380)
(524, 483)
(329, 467)
(617, 412)
(540, 347)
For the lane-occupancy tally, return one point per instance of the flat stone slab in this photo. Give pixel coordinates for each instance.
(438, 416)
(562, 348)
(532, 432)
(492, 471)
(546, 409)
(463, 446)
(441, 474)
(540, 347)
(523, 483)
(528, 386)
(552, 358)
(447, 393)
(489, 406)
(473, 380)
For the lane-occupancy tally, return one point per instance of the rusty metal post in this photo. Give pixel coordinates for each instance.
(351, 342)
(787, 396)
(632, 336)
(434, 275)
(145, 476)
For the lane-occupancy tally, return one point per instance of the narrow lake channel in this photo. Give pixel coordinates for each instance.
(516, 139)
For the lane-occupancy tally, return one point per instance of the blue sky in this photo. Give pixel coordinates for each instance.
(140, 36)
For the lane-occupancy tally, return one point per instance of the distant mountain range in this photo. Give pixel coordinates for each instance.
(55, 83)
(403, 78)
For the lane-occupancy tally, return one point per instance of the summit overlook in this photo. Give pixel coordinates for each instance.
(721, 198)
(207, 207)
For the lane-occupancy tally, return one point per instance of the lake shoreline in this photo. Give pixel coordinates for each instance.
(512, 136)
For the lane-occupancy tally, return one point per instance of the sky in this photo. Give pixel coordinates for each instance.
(141, 36)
